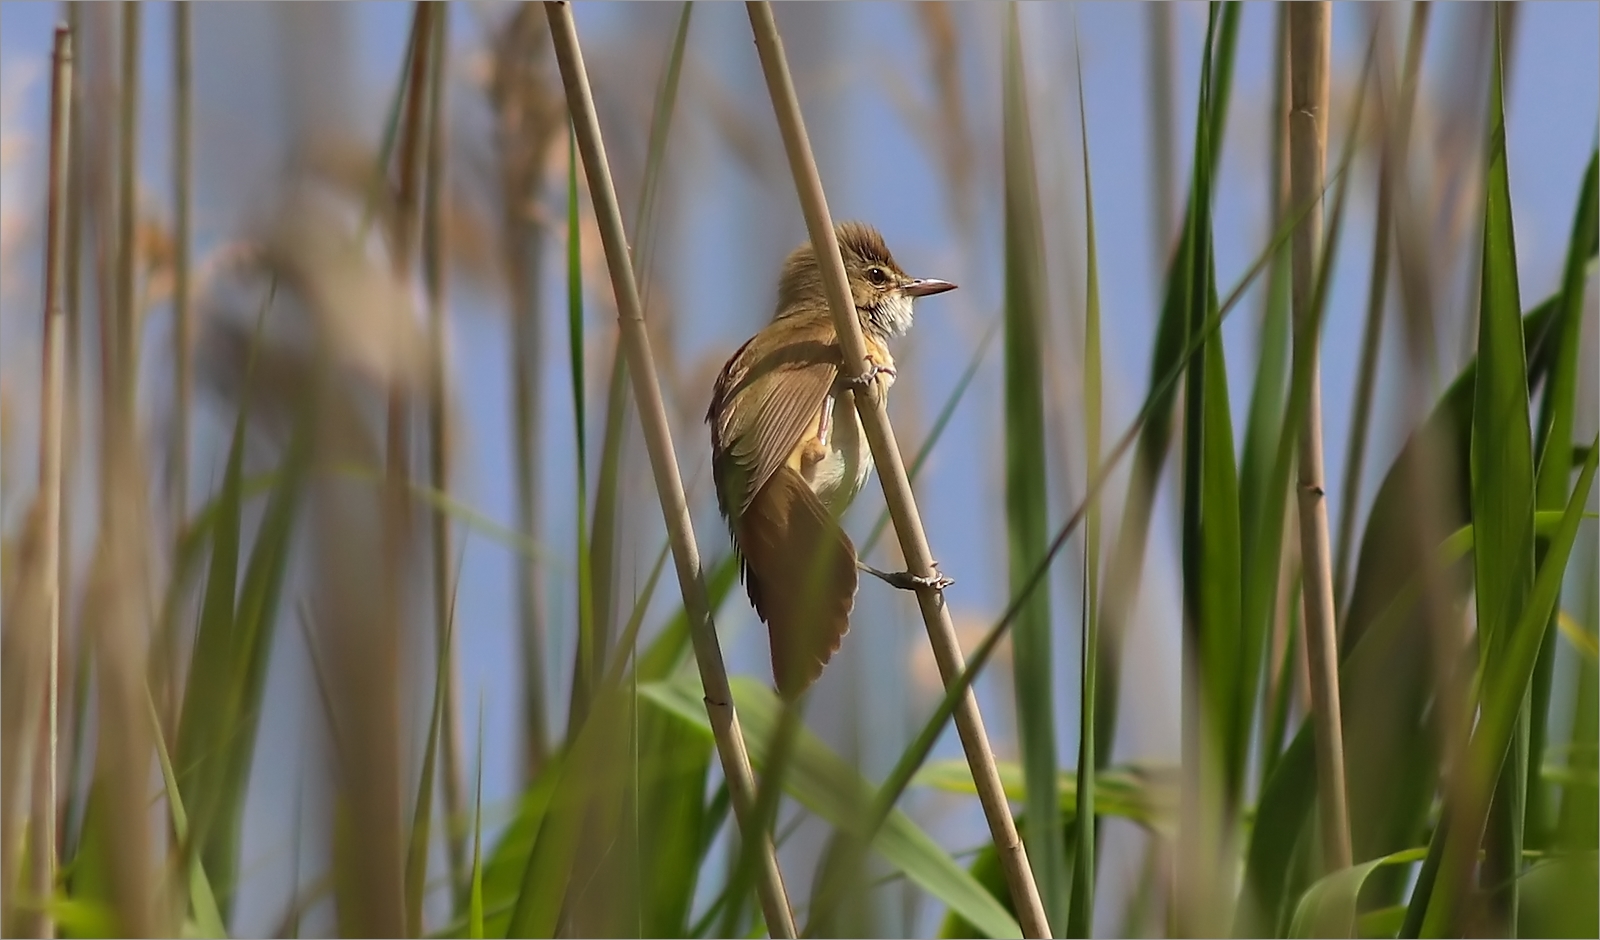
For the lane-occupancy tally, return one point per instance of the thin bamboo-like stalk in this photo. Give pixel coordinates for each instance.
(664, 463)
(182, 155)
(126, 348)
(892, 474)
(525, 123)
(45, 789)
(1309, 40)
(434, 252)
(72, 298)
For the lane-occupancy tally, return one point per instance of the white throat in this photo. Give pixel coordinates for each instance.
(893, 316)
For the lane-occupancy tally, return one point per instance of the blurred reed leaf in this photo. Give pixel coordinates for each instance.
(604, 542)
(1504, 689)
(831, 788)
(1502, 494)
(1328, 908)
(475, 877)
(589, 658)
(1085, 859)
(1026, 473)
(201, 899)
(1146, 795)
(1552, 446)
(1125, 567)
(1210, 547)
(422, 814)
(1380, 776)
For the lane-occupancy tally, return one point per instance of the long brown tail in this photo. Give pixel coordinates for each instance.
(800, 570)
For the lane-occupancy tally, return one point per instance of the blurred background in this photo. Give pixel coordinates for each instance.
(291, 107)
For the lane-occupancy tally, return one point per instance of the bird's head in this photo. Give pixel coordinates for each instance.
(882, 292)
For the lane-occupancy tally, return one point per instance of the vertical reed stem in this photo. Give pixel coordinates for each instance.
(1309, 39)
(434, 254)
(125, 350)
(664, 464)
(45, 790)
(182, 146)
(892, 473)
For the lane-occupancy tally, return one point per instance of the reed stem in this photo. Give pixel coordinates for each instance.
(1309, 40)
(182, 157)
(46, 789)
(892, 474)
(434, 257)
(664, 464)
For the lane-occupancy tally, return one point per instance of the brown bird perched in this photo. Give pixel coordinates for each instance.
(788, 452)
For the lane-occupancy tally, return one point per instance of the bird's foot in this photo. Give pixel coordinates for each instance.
(906, 581)
(869, 377)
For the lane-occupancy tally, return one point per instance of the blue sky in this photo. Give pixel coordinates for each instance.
(727, 239)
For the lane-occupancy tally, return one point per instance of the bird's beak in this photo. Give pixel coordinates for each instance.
(924, 286)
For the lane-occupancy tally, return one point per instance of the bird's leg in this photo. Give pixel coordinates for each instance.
(906, 581)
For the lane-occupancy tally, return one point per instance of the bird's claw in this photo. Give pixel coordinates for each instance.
(906, 581)
(869, 377)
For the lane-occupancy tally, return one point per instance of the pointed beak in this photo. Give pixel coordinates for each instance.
(924, 286)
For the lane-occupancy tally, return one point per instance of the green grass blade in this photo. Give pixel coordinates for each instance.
(591, 778)
(1211, 559)
(832, 789)
(590, 656)
(1125, 565)
(1328, 909)
(917, 752)
(620, 656)
(475, 884)
(1502, 493)
(416, 870)
(1259, 503)
(205, 721)
(202, 901)
(1026, 488)
(674, 765)
(503, 872)
(1504, 690)
(604, 548)
(1578, 820)
(667, 650)
(215, 737)
(1142, 794)
(1080, 912)
(1384, 573)
(1553, 445)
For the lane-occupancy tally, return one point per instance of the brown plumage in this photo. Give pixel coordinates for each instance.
(789, 454)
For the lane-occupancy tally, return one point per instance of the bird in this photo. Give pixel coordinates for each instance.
(788, 452)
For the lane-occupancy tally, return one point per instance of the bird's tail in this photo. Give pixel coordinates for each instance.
(800, 571)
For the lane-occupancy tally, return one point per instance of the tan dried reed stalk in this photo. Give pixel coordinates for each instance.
(664, 465)
(1309, 39)
(182, 156)
(892, 474)
(46, 796)
(125, 348)
(528, 115)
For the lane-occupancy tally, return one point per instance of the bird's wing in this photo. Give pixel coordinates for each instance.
(765, 403)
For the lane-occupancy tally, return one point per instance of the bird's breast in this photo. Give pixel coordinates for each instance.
(847, 460)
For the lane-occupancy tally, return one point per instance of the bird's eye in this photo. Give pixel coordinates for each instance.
(877, 276)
